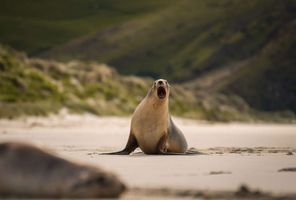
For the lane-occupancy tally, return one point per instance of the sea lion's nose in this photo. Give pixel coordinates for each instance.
(160, 82)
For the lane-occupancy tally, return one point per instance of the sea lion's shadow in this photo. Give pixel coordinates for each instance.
(142, 154)
(138, 153)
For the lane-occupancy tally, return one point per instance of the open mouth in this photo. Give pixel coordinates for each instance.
(161, 92)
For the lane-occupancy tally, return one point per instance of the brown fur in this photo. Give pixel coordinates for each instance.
(152, 128)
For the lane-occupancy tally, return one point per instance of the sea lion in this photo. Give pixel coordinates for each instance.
(152, 128)
(30, 172)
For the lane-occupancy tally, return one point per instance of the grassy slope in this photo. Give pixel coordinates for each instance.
(35, 26)
(266, 81)
(271, 74)
(190, 38)
(185, 38)
(179, 40)
(39, 87)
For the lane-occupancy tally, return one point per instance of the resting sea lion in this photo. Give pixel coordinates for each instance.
(27, 171)
(152, 128)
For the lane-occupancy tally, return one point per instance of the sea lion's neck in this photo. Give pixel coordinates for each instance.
(156, 103)
(161, 105)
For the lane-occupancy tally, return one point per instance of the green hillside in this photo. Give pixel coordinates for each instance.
(269, 81)
(36, 26)
(243, 48)
(266, 81)
(39, 87)
(184, 39)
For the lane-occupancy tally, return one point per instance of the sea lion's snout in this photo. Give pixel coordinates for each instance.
(162, 88)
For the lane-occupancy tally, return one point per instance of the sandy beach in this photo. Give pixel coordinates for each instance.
(261, 156)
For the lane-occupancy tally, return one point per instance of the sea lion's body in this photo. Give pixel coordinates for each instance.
(152, 128)
(27, 171)
(151, 122)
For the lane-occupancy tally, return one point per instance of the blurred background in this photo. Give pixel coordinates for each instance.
(227, 60)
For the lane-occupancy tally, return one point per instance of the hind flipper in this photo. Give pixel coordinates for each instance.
(194, 151)
(187, 153)
(191, 151)
(131, 145)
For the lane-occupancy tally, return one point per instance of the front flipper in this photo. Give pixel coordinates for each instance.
(131, 145)
(162, 144)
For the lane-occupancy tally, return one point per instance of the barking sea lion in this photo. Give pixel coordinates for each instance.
(29, 172)
(152, 128)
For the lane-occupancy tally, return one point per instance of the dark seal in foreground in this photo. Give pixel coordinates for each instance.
(152, 128)
(29, 172)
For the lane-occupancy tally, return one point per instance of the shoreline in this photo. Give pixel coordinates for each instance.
(64, 119)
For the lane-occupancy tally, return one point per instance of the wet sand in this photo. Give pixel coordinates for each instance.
(257, 155)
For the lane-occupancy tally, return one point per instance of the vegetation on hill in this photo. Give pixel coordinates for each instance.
(229, 48)
(37, 26)
(39, 87)
(265, 81)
